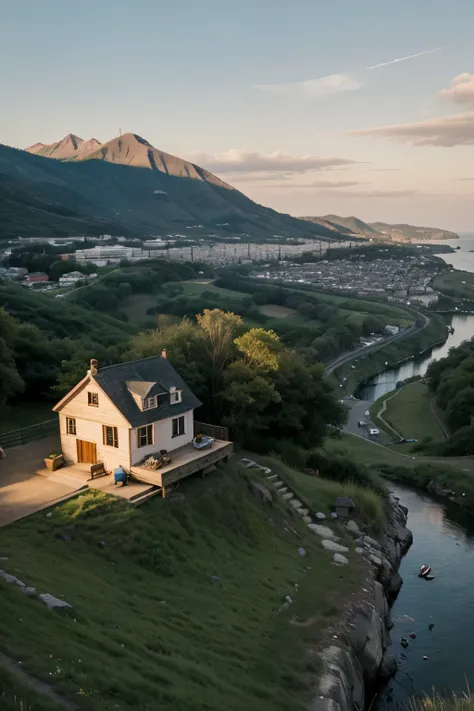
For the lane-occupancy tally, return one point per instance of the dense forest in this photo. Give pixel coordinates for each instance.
(452, 381)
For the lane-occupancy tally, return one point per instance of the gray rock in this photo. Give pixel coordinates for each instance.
(3, 558)
(360, 550)
(302, 551)
(261, 493)
(31, 592)
(388, 667)
(323, 531)
(20, 583)
(371, 542)
(53, 603)
(333, 546)
(333, 514)
(288, 496)
(307, 519)
(340, 559)
(296, 504)
(320, 515)
(353, 529)
(7, 577)
(376, 561)
(341, 685)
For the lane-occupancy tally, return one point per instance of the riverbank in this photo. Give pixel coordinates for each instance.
(360, 658)
(393, 355)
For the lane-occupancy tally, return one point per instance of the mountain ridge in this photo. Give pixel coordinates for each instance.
(382, 230)
(127, 187)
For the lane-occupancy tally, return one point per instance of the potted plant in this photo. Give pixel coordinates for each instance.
(54, 461)
(198, 438)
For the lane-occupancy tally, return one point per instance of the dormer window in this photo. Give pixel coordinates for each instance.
(150, 402)
(175, 396)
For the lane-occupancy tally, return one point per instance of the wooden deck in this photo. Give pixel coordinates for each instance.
(185, 461)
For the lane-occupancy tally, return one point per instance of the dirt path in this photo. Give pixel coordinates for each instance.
(435, 415)
(35, 684)
(384, 408)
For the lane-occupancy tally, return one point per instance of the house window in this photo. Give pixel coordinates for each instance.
(93, 399)
(150, 402)
(178, 426)
(70, 425)
(145, 436)
(176, 396)
(110, 436)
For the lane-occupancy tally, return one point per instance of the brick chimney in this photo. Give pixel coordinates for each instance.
(163, 353)
(94, 366)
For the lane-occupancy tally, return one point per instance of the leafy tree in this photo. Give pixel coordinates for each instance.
(10, 381)
(260, 348)
(246, 396)
(220, 328)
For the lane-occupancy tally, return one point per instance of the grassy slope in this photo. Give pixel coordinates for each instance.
(150, 629)
(17, 696)
(408, 412)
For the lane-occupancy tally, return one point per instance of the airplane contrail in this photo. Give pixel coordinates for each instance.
(410, 56)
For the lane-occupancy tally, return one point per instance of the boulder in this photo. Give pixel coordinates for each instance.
(340, 559)
(360, 550)
(319, 515)
(371, 543)
(353, 529)
(333, 546)
(9, 578)
(323, 531)
(376, 561)
(261, 493)
(31, 592)
(296, 504)
(307, 519)
(53, 603)
(333, 515)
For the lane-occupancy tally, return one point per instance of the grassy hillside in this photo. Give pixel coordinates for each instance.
(150, 626)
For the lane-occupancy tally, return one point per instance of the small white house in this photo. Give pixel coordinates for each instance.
(123, 413)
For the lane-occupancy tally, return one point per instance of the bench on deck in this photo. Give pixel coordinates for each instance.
(98, 470)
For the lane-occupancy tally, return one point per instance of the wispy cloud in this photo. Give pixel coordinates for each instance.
(410, 56)
(447, 131)
(236, 161)
(326, 184)
(462, 89)
(313, 88)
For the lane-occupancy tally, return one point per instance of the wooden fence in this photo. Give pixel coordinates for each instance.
(215, 431)
(29, 434)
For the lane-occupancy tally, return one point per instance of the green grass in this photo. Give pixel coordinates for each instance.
(17, 696)
(408, 412)
(149, 627)
(196, 288)
(24, 414)
(319, 494)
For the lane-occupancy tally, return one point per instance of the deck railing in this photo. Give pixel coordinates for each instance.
(28, 434)
(215, 431)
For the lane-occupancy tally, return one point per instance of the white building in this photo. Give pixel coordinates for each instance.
(113, 253)
(71, 279)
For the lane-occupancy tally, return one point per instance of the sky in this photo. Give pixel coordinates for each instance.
(309, 107)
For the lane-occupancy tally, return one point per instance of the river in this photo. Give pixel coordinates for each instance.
(385, 382)
(443, 538)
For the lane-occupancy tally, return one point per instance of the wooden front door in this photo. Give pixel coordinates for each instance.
(86, 452)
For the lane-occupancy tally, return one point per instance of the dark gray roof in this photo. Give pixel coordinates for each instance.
(344, 501)
(113, 381)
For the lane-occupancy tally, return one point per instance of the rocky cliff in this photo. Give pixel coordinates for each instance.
(360, 659)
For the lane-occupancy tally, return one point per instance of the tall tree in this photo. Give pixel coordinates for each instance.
(220, 328)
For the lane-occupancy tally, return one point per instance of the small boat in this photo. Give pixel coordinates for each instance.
(425, 570)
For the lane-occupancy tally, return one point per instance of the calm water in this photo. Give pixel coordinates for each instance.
(385, 382)
(443, 538)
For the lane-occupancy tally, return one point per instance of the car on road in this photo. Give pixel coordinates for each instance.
(361, 423)
(366, 413)
(373, 432)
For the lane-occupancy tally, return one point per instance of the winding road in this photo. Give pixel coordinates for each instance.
(353, 355)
